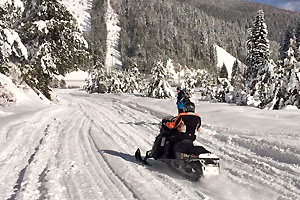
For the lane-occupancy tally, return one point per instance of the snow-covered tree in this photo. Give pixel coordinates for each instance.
(287, 80)
(277, 90)
(236, 77)
(132, 80)
(189, 86)
(11, 46)
(53, 40)
(159, 86)
(259, 71)
(258, 48)
(297, 35)
(289, 52)
(172, 75)
(97, 81)
(205, 82)
(116, 82)
(293, 88)
(223, 91)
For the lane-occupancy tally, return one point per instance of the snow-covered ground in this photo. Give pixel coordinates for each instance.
(83, 148)
(113, 56)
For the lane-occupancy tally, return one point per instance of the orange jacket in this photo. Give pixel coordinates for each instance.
(186, 123)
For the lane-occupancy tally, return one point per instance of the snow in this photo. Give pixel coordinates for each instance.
(24, 95)
(41, 25)
(223, 57)
(75, 79)
(80, 9)
(17, 3)
(83, 147)
(290, 107)
(113, 56)
(12, 37)
(76, 75)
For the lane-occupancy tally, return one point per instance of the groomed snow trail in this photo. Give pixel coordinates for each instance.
(83, 148)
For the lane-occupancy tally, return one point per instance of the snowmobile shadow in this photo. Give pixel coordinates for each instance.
(124, 156)
(161, 169)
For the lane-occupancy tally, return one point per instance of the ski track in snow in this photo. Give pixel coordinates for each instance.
(83, 148)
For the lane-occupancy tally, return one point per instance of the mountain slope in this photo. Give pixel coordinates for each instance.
(243, 12)
(186, 30)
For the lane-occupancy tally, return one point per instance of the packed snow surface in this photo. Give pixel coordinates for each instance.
(83, 148)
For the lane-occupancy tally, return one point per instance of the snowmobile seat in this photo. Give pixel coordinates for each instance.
(187, 146)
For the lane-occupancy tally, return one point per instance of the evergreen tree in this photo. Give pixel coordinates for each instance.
(97, 36)
(236, 77)
(289, 52)
(279, 94)
(55, 43)
(223, 90)
(258, 49)
(223, 72)
(188, 86)
(134, 81)
(97, 81)
(116, 82)
(159, 87)
(287, 80)
(11, 47)
(297, 35)
(293, 88)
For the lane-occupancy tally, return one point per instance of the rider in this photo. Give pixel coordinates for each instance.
(180, 100)
(183, 131)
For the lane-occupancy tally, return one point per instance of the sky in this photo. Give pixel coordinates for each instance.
(293, 5)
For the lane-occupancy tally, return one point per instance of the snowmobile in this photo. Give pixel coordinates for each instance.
(191, 166)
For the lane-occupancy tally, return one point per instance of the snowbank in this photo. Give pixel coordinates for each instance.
(18, 94)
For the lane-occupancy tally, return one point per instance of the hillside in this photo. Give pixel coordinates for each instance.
(186, 30)
(244, 12)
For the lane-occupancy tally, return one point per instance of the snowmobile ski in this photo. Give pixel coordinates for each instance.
(139, 158)
(192, 167)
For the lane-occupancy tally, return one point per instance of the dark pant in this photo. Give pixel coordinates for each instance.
(187, 146)
(180, 110)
